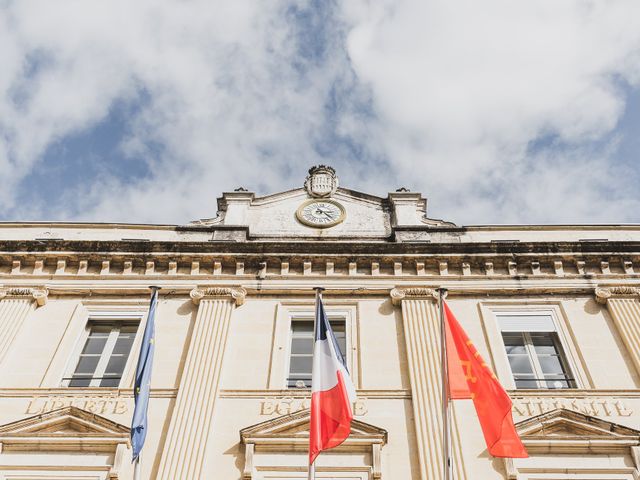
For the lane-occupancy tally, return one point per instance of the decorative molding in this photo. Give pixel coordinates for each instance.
(289, 433)
(68, 429)
(483, 265)
(39, 294)
(237, 294)
(412, 293)
(603, 294)
(566, 431)
(577, 436)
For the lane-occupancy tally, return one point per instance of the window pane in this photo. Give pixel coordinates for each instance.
(551, 364)
(80, 382)
(520, 364)
(116, 365)
(87, 365)
(526, 383)
(110, 382)
(337, 327)
(95, 344)
(544, 343)
(301, 364)
(514, 343)
(302, 326)
(123, 344)
(553, 384)
(301, 345)
(342, 343)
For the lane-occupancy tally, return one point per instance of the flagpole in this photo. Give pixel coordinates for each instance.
(136, 466)
(136, 469)
(319, 290)
(446, 416)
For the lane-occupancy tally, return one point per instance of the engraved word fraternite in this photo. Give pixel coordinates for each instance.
(554, 311)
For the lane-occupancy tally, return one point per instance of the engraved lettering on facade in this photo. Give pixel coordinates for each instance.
(289, 405)
(598, 407)
(100, 405)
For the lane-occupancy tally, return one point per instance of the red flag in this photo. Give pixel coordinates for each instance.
(332, 391)
(470, 377)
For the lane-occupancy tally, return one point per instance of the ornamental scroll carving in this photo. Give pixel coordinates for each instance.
(412, 293)
(39, 294)
(604, 294)
(237, 294)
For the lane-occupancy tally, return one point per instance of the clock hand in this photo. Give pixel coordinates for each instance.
(326, 214)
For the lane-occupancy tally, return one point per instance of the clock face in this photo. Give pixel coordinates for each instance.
(321, 213)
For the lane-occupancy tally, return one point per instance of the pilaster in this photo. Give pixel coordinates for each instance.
(421, 322)
(623, 304)
(190, 427)
(15, 305)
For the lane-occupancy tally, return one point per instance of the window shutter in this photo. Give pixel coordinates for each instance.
(526, 323)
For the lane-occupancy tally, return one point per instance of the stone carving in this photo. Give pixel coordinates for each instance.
(594, 406)
(237, 294)
(399, 294)
(604, 294)
(322, 181)
(101, 405)
(289, 405)
(39, 294)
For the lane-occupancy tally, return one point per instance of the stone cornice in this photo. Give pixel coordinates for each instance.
(341, 263)
(603, 294)
(39, 294)
(412, 293)
(236, 294)
(312, 246)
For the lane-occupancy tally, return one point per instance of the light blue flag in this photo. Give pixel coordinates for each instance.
(143, 380)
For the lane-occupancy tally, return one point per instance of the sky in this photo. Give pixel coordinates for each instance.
(145, 112)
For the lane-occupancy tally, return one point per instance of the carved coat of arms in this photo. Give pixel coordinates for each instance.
(321, 181)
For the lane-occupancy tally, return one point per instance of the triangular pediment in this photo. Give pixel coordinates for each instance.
(295, 428)
(566, 431)
(65, 429)
(64, 421)
(567, 423)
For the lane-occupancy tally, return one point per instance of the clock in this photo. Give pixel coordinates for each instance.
(320, 213)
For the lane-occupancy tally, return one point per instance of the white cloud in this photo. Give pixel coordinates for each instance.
(462, 88)
(459, 90)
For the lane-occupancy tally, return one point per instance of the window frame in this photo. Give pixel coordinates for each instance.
(106, 317)
(490, 310)
(285, 311)
(333, 316)
(534, 360)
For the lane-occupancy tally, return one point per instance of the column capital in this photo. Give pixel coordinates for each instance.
(603, 294)
(39, 294)
(413, 293)
(235, 294)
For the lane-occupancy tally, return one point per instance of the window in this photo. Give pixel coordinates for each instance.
(301, 356)
(534, 351)
(104, 355)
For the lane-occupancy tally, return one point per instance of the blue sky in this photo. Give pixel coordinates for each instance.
(147, 112)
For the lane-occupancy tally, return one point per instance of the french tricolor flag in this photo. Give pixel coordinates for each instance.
(332, 392)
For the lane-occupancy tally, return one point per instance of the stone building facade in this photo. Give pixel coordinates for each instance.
(555, 310)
